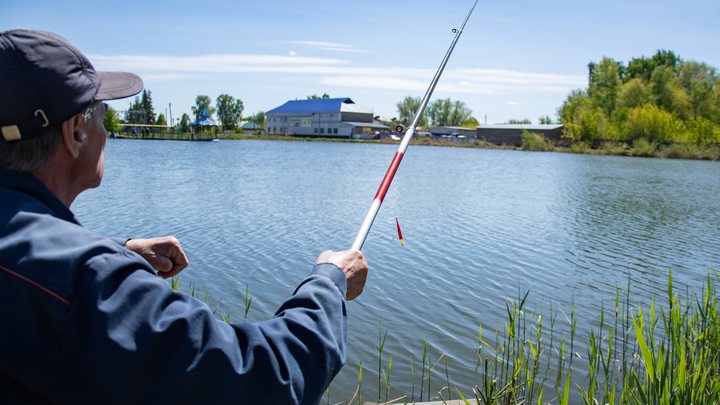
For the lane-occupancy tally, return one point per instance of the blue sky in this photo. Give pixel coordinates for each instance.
(515, 59)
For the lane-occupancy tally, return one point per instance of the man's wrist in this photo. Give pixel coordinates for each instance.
(334, 273)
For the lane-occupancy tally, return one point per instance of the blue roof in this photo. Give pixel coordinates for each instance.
(203, 121)
(314, 105)
(204, 113)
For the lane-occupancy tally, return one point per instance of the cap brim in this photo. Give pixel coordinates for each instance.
(116, 85)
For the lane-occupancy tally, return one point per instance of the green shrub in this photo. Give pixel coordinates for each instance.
(641, 147)
(613, 148)
(579, 147)
(649, 122)
(535, 142)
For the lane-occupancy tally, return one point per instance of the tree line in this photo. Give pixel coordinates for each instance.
(441, 112)
(661, 99)
(141, 111)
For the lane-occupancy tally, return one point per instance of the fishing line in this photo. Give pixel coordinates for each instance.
(387, 180)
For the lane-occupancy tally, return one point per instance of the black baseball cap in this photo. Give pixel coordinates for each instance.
(45, 80)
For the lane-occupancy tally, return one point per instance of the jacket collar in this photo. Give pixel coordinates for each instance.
(26, 183)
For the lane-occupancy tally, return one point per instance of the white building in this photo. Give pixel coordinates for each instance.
(326, 118)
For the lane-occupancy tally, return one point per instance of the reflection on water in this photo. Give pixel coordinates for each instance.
(479, 226)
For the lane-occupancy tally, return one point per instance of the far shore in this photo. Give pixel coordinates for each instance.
(639, 148)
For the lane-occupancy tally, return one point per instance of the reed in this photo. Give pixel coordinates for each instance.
(661, 355)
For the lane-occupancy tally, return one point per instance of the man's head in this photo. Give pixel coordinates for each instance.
(50, 103)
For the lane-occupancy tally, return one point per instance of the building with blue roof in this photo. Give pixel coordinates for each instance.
(326, 118)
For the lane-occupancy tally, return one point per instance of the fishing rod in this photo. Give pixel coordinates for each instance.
(380, 196)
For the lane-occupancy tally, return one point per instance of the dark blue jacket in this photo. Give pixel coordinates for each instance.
(85, 321)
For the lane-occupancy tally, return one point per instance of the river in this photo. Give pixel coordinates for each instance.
(480, 227)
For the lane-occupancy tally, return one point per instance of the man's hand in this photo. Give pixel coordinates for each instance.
(353, 264)
(164, 254)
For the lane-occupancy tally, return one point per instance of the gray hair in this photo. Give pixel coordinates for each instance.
(34, 153)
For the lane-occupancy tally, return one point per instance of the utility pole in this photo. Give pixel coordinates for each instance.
(171, 121)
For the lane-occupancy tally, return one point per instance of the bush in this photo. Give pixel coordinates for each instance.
(651, 123)
(536, 142)
(641, 147)
(613, 148)
(579, 147)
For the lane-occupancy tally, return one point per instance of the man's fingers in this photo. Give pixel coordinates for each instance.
(353, 264)
(165, 255)
(161, 263)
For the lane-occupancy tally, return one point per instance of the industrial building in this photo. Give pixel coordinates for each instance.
(511, 134)
(325, 118)
(452, 131)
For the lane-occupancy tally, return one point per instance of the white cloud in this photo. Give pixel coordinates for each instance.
(338, 72)
(512, 103)
(343, 49)
(205, 63)
(328, 44)
(168, 76)
(331, 46)
(292, 53)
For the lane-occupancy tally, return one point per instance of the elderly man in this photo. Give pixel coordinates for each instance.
(85, 319)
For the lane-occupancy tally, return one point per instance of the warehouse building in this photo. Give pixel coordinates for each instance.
(326, 118)
(511, 134)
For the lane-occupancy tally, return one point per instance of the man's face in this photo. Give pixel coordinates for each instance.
(92, 155)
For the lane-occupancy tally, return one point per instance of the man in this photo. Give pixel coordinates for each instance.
(85, 319)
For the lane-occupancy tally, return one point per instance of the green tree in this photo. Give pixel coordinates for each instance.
(661, 87)
(644, 67)
(523, 121)
(111, 120)
(147, 106)
(315, 96)
(185, 123)
(161, 120)
(407, 109)
(633, 94)
(229, 110)
(135, 113)
(605, 85)
(698, 81)
(258, 118)
(545, 120)
(202, 102)
(445, 112)
(471, 122)
(577, 100)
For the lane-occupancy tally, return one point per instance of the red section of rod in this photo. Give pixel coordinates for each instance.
(389, 176)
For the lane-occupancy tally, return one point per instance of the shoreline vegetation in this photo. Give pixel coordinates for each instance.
(659, 106)
(530, 142)
(662, 354)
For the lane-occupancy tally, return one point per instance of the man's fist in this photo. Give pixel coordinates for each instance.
(353, 264)
(164, 254)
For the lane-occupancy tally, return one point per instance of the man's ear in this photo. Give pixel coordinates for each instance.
(73, 135)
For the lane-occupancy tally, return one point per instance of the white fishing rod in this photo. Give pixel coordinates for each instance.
(380, 196)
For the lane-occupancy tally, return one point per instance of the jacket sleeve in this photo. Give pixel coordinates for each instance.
(120, 241)
(129, 338)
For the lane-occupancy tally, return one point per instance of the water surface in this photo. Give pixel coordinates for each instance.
(479, 226)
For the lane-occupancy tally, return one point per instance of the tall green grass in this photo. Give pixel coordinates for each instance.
(665, 355)
(193, 290)
(661, 355)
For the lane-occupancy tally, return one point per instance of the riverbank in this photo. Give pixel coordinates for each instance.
(534, 143)
(537, 143)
